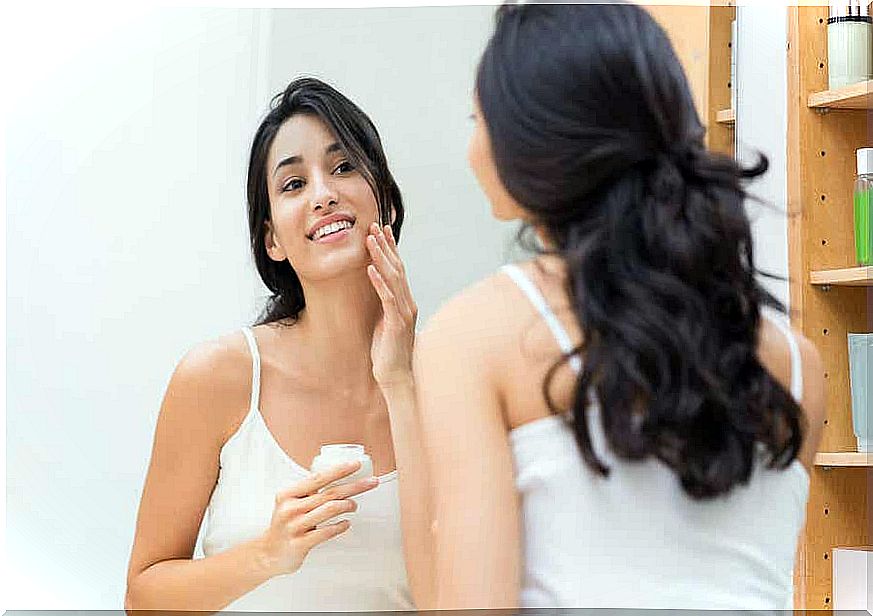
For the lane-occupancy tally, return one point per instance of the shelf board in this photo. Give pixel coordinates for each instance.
(844, 458)
(850, 277)
(726, 116)
(855, 96)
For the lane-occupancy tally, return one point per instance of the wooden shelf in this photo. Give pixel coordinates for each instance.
(821, 164)
(851, 277)
(726, 116)
(845, 458)
(855, 96)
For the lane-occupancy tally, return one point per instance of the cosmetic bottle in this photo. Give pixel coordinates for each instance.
(850, 43)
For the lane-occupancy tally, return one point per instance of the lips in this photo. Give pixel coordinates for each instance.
(328, 220)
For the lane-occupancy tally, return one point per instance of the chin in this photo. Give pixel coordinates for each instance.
(340, 264)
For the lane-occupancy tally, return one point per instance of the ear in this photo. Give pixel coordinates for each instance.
(393, 216)
(271, 242)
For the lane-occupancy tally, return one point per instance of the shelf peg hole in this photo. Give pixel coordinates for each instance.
(825, 331)
(824, 242)
(826, 511)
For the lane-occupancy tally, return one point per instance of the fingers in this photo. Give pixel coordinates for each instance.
(316, 481)
(391, 272)
(322, 534)
(322, 513)
(309, 503)
(389, 301)
(389, 246)
(379, 252)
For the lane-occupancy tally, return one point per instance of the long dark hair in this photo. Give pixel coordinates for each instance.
(360, 140)
(594, 132)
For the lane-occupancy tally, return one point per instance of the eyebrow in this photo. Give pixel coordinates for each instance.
(293, 160)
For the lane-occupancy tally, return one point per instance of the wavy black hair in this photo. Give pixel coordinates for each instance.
(594, 132)
(357, 135)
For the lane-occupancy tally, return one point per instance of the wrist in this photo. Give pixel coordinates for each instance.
(263, 563)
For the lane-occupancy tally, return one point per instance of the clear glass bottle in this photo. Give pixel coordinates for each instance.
(863, 194)
(850, 43)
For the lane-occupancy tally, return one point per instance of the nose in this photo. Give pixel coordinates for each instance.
(324, 194)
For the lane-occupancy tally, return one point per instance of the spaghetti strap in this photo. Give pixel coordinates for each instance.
(794, 350)
(539, 302)
(256, 368)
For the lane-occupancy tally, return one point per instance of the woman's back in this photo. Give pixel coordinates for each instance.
(633, 539)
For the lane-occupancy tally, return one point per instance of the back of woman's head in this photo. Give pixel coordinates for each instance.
(594, 133)
(360, 140)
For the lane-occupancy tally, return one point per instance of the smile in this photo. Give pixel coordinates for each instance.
(332, 229)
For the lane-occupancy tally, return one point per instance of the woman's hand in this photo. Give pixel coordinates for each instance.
(394, 336)
(298, 510)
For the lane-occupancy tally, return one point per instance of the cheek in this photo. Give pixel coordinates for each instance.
(361, 196)
(289, 221)
(503, 206)
(474, 154)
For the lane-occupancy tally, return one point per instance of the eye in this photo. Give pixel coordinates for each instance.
(344, 167)
(292, 184)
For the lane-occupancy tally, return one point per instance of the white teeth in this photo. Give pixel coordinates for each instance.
(331, 228)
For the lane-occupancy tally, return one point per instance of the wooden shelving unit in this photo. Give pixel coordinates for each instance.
(849, 276)
(720, 118)
(829, 295)
(701, 37)
(726, 116)
(847, 459)
(855, 96)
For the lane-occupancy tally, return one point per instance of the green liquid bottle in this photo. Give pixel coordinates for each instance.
(863, 194)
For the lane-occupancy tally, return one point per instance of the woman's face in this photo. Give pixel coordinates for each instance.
(320, 205)
(503, 206)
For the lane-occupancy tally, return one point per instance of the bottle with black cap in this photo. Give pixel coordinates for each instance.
(850, 43)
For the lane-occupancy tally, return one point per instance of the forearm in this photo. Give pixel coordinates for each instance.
(415, 500)
(204, 584)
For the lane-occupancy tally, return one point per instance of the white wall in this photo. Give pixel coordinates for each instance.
(126, 150)
(412, 71)
(762, 125)
(126, 155)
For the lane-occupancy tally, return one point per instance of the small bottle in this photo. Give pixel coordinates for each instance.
(850, 43)
(332, 455)
(863, 193)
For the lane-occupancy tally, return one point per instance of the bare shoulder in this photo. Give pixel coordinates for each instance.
(481, 313)
(210, 387)
(775, 354)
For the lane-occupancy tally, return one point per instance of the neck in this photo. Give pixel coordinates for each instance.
(337, 324)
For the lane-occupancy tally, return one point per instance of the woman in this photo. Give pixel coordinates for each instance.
(676, 479)
(244, 415)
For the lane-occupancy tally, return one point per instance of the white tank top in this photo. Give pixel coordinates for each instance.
(362, 569)
(634, 539)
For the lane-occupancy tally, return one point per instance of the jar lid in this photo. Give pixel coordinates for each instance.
(848, 8)
(346, 449)
(864, 158)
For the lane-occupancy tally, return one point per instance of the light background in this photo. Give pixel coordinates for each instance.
(126, 237)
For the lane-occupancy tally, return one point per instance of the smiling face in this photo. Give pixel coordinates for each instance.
(320, 205)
